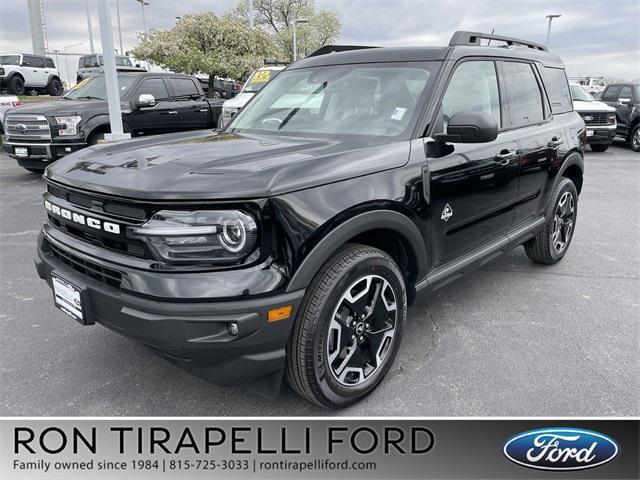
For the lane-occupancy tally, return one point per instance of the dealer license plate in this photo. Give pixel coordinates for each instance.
(67, 298)
(21, 152)
(590, 133)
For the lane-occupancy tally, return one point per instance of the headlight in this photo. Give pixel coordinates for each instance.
(227, 115)
(68, 125)
(611, 118)
(203, 236)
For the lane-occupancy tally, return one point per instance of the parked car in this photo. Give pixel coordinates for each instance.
(293, 243)
(151, 103)
(599, 118)
(625, 98)
(21, 72)
(92, 65)
(257, 80)
(592, 85)
(7, 102)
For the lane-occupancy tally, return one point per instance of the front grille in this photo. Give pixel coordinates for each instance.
(108, 276)
(27, 127)
(597, 118)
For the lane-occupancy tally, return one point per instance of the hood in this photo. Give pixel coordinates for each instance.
(596, 106)
(238, 101)
(206, 166)
(62, 107)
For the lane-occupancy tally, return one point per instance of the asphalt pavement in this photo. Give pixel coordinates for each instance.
(511, 339)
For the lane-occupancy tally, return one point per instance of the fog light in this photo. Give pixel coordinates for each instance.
(232, 328)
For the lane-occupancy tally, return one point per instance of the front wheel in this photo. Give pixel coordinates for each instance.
(552, 243)
(16, 86)
(634, 138)
(349, 328)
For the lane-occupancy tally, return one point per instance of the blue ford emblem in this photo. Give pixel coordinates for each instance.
(561, 449)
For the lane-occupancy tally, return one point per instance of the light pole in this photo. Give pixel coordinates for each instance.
(119, 27)
(295, 40)
(86, 6)
(144, 18)
(66, 61)
(550, 17)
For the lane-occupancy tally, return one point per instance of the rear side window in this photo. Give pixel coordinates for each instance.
(610, 94)
(184, 88)
(523, 95)
(155, 87)
(49, 63)
(558, 90)
(473, 88)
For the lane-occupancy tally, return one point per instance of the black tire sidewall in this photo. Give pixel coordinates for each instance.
(565, 185)
(12, 86)
(331, 389)
(631, 135)
(55, 88)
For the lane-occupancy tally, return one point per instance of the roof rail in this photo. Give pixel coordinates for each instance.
(337, 48)
(473, 38)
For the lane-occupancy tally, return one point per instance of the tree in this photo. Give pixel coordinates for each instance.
(206, 43)
(276, 17)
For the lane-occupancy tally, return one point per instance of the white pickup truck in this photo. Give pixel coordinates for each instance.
(599, 118)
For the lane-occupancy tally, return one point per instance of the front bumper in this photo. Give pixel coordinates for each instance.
(195, 334)
(39, 155)
(601, 134)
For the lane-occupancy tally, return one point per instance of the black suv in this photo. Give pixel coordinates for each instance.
(625, 97)
(293, 242)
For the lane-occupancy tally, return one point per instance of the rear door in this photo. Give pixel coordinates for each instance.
(189, 102)
(540, 136)
(30, 71)
(473, 188)
(157, 119)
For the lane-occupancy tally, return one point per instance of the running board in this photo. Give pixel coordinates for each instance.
(445, 274)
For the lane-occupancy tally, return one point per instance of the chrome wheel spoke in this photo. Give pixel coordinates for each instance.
(563, 222)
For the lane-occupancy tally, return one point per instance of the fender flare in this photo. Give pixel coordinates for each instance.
(52, 77)
(14, 74)
(573, 158)
(361, 223)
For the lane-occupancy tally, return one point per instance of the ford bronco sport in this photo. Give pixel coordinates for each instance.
(292, 243)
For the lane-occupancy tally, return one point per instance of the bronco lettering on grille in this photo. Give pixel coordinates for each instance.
(78, 218)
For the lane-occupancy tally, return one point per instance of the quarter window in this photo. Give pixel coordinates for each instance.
(472, 88)
(155, 87)
(558, 90)
(524, 95)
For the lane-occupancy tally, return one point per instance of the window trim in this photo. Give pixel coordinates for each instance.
(541, 90)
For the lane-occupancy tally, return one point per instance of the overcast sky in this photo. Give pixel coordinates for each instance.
(593, 37)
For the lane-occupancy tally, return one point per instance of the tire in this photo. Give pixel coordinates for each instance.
(634, 138)
(95, 138)
(599, 148)
(54, 88)
(319, 359)
(16, 86)
(216, 94)
(544, 247)
(35, 170)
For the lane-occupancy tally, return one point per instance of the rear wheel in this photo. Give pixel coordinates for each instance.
(552, 243)
(349, 328)
(599, 148)
(16, 86)
(54, 88)
(634, 138)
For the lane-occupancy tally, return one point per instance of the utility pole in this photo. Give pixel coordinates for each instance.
(550, 17)
(144, 18)
(110, 74)
(250, 12)
(86, 6)
(119, 27)
(38, 27)
(295, 39)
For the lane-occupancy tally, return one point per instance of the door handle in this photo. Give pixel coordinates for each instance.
(555, 142)
(505, 156)
(203, 110)
(173, 112)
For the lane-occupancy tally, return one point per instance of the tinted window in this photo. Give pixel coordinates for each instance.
(610, 94)
(9, 59)
(184, 87)
(625, 92)
(30, 61)
(558, 90)
(155, 87)
(524, 96)
(81, 62)
(49, 63)
(472, 88)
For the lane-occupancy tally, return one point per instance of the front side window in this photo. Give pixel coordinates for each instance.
(625, 92)
(524, 96)
(372, 101)
(155, 87)
(610, 94)
(472, 88)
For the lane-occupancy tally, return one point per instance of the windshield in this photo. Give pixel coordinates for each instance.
(123, 62)
(372, 100)
(95, 88)
(9, 59)
(259, 79)
(579, 93)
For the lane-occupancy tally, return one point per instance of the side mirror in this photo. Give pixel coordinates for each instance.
(470, 127)
(137, 65)
(623, 101)
(146, 100)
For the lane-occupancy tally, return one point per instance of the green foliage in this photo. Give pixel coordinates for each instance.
(276, 17)
(206, 43)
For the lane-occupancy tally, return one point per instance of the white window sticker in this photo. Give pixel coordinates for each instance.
(398, 113)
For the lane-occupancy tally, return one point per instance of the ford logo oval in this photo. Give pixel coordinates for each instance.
(561, 449)
(21, 127)
(587, 118)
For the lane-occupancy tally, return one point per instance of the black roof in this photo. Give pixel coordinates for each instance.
(463, 44)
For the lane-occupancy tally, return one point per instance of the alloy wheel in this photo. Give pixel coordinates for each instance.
(636, 139)
(563, 222)
(361, 330)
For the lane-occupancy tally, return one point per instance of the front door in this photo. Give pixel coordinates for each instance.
(156, 119)
(473, 189)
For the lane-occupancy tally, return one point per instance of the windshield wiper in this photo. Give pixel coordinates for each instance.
(89, 97)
